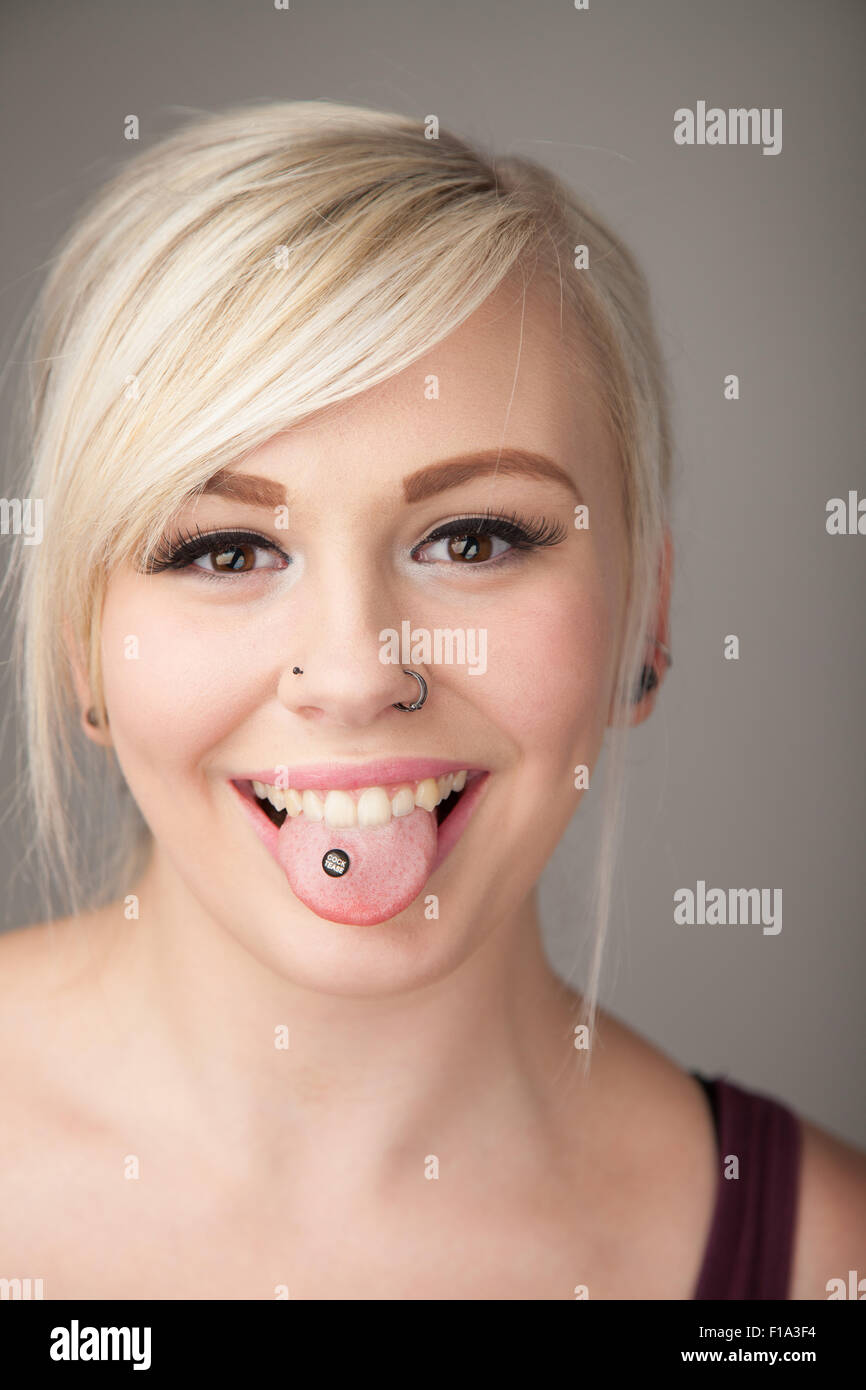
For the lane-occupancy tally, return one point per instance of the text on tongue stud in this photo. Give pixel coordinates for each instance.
(336, 862)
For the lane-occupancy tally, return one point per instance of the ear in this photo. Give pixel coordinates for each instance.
(654, 657)
(97, 733)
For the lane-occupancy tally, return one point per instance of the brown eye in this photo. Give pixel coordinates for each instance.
(484, 542)
(233, 558)
(222, 553)
(470, 548)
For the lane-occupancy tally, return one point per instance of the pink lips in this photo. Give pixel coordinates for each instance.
(345, 776)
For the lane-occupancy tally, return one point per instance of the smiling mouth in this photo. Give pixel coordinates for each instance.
(385, 840)
(362, 807)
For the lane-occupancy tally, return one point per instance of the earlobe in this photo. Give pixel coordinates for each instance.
(95, 725)
(93, 721)
(658, 656)
(649, 681)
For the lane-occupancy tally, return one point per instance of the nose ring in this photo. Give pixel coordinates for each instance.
(422, 689)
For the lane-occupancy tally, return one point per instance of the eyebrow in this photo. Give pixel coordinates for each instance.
(245, 487)
(465, 468)
(418, 486)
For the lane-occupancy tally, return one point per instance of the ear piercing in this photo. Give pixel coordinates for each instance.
(296, 671)
(647, 682)
(648, 679)
(93, 718)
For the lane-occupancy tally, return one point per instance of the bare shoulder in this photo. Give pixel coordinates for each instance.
(37, 963)
(48, 956)
(31, 1037)
(27, 963)
(830, 1230)
(831, 1222)
(43, 1013)
(646, 1076)
(656, 1142)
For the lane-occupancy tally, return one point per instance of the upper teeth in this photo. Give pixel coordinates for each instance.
(374, 806)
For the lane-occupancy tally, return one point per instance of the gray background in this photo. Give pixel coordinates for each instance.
(750, 774)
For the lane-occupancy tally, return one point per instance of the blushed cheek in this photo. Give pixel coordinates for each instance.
(547, 695)
(547, 677)
(173, 687)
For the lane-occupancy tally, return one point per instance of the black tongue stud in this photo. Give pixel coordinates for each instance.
(336, 863)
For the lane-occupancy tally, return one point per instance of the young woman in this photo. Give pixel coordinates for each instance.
(355, 459)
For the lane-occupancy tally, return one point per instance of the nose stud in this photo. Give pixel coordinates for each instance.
(336, 862)
(416, 704)
(422, 691)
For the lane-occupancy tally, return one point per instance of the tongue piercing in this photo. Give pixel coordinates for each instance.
(336, 863)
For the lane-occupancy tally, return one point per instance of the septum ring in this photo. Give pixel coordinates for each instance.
(422, 689)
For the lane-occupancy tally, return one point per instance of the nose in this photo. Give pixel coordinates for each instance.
(340, 678)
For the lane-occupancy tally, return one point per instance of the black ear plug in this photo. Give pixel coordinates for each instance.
(648, 681)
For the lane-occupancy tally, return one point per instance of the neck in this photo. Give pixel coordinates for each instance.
(268, 1070)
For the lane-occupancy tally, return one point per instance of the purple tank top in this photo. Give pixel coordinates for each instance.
(751, 1241)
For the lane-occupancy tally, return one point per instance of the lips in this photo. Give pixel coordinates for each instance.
(348, 776)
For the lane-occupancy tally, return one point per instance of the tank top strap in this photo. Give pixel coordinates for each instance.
(750, 1246)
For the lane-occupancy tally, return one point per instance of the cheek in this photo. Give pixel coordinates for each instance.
(548, 671)
(173, 686)
(547, 694)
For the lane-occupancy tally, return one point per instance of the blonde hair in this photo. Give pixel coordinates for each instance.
(254, 267)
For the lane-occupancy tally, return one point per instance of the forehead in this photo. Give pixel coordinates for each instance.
(512, 374)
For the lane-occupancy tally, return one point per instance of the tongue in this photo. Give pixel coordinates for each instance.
(388, 866)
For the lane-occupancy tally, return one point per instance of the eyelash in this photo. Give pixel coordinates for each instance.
(522, 534)
(192, 545)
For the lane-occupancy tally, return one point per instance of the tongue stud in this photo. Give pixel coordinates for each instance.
(374, 874)
(336, 862)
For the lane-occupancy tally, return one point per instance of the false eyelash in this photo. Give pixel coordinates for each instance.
(521, 533)
(190, 545)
